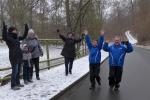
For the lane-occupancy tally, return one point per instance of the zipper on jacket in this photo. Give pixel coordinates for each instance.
(96, 57)
(120, 58)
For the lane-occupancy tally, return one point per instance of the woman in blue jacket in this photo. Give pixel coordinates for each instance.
(117, 52)
(94, 57)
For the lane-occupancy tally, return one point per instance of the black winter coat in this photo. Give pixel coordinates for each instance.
(13, 43)
(69, 49)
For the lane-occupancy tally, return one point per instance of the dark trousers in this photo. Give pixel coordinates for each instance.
(15, 76)
(26, 70)
(94, 73)
(115, 75)
(34, 62)
(68, 62)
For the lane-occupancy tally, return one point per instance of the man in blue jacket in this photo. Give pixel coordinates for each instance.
(94, 57)
(117, 52)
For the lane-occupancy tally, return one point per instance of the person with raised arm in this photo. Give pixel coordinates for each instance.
(69, 50)
(117, 52)
(94, 57)
(12, 40)
(36, 52)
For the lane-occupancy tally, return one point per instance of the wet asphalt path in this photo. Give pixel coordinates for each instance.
(134, 86)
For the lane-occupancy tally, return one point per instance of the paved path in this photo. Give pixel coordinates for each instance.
(134, 86)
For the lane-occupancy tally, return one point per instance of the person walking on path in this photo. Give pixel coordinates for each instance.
(36, 52)
(69, 50)
(94, 57)
(12, 40)
(117, 52)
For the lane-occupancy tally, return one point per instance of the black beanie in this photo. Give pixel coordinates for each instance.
(12, 28)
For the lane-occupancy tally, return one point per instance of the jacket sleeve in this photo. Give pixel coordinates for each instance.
(100, 42)
(4, 32)
(88, 41)
(62, 37)
(5, 35)
(129, 48)
(25, 33)
(106, 47)
(40, 48)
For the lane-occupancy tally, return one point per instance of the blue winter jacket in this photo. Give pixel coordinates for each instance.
(94, 52)
(117, 53)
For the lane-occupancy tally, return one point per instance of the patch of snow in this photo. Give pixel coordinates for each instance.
(52, 82)
(131, 39)
(54, 52)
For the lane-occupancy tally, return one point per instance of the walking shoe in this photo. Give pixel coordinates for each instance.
(111, 87)
(92, 87)
(38, 78)
(20, 85)
(25, 82)
(15, 88)
(99, 83)
(30, 80)
(116, 87)
(70, 72)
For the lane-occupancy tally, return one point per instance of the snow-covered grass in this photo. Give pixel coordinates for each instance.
(54, 52)
(131, 39)
(52, 82)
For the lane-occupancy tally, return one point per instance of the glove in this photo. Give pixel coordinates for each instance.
(58, 30)
(126, 42)
(123, 42)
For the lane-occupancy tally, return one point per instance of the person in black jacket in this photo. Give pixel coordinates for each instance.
(15, 53)
(69, 50)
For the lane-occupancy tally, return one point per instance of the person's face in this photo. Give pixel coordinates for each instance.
(94, 43)
(117, 40)
(15, 32)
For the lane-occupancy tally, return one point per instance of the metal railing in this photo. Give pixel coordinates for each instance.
(51, 58)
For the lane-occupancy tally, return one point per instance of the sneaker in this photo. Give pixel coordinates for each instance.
(15, 88)
(38, 78)
(99, 83)
(30, 81)
(20, 85)
(111, 87)
(92, 87)
(70, 72)
(26, 82)
(116, 87)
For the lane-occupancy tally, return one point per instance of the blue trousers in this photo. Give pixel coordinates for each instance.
(26, 70)
(15, 76)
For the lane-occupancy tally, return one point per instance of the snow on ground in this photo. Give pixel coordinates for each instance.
(131, 39)
(54, 52)
(52, 82)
